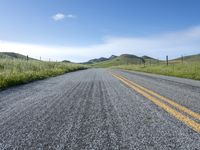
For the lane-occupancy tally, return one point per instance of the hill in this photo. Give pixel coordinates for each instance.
(123, 59)
(96, 60)
(11, 55)
(190, 58)
(101, 59)
(66, 61)
(150, 60)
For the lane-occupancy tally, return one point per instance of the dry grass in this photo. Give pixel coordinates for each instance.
(189, 70)
(16, 71)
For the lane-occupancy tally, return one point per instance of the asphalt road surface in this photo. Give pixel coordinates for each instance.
(94, 109)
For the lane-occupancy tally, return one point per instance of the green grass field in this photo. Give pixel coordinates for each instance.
(188, 69)
(18, 71)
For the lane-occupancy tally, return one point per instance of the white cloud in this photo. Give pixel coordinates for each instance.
(173, 44)
(61, 16)
(58, 17)
(71, 16)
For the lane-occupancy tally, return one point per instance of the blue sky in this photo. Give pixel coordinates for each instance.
(79, 30)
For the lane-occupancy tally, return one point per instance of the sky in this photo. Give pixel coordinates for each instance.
(79, 30)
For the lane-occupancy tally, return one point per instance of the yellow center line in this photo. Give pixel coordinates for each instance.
(180, 107)
(189, 122)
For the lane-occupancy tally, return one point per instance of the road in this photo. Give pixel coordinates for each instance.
(101, 109)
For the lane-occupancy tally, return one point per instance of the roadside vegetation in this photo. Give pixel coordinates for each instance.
(184, 67)
(189, 70)
(20, 71)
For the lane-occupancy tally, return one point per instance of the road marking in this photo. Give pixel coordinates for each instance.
(180, 107)
(185, 119)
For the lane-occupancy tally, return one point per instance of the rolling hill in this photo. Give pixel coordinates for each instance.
(190, 58)
(11, 55)
(96, 60)
(123, 59)
(127, 59)
(101, 59)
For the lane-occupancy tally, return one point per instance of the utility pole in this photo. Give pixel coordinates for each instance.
(27, 57)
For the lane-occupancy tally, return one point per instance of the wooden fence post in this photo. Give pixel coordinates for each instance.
(182, 59)
(167, 60)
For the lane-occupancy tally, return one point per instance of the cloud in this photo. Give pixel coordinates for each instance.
(58, 17)
(173, 44)
(61, 16)
(71, 16)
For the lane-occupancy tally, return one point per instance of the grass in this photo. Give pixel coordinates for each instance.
(17, 71)
(189, 70)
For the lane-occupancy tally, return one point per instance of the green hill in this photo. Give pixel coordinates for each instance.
(11, 55)
(190, 58)
(124, 59)
(150, 60)
(98, 60)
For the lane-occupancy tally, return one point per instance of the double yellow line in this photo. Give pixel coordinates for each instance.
(181, 113)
